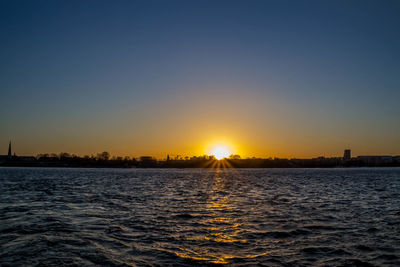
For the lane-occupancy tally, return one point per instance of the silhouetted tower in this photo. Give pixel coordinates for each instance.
(9, 150)
(347, 154)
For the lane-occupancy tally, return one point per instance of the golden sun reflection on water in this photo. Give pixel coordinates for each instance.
(220, 227)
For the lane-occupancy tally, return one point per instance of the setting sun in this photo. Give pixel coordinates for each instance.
(220, 152)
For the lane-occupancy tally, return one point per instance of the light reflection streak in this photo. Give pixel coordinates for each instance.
(221, 226)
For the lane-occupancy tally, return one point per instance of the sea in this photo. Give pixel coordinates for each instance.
(199, 217)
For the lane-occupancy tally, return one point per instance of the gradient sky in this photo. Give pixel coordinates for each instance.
(268, 78)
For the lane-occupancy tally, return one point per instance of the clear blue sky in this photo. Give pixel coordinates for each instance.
(271, 78)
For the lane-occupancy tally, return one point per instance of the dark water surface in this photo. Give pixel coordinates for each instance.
(271, 217)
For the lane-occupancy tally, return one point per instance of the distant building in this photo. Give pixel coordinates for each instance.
(347, 154)
(146, 158)
(375, 160)
(26, 158)
(10, 158)
(9, 150)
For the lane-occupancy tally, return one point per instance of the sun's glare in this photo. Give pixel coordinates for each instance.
(220, 152)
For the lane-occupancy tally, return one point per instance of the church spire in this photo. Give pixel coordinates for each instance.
(9, 150)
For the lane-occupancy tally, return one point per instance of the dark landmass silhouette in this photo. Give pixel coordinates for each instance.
(104, 160)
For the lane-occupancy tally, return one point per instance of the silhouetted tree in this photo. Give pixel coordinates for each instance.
(103, 156)
(234, 157)
(64, 155)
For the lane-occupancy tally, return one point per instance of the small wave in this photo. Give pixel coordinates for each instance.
(387, 257)
(325, 250)
(184, 216)
(278, 234)
(354, 262)
(364, 248)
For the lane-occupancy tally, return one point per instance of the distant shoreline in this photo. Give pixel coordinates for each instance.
(207, 168)
(195, 167)
(104, 160)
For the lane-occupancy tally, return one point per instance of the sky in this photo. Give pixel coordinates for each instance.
(265, 78)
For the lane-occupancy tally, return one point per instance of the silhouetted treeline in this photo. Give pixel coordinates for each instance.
(278, 163)
(101, 160)
(105, 160)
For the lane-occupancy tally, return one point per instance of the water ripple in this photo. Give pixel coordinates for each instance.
(275, 217)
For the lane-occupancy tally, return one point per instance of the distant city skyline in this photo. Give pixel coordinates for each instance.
(219, 157)
(216, 153)
(288, 79)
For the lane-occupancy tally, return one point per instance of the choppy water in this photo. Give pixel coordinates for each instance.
(199, 217)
